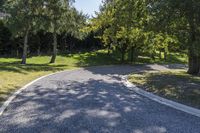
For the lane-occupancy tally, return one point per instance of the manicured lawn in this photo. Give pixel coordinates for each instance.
(176, 85)
(13, 75)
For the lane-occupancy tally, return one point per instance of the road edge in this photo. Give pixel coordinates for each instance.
(161, 100)
(15, 94)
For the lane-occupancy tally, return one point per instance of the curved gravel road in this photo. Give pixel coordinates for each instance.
(92, 100)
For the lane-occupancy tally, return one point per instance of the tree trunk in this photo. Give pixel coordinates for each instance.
(123, 57)
(153, 56)
(132, 54)
(39, 47)
(109, 47)
(38, 51)
(165, 56)
(53, 58)
(123, 52)
(194, 58)
(17, 53)
(193, 64)
(25, 48)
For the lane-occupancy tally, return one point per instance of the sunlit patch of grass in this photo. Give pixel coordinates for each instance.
(176, 85)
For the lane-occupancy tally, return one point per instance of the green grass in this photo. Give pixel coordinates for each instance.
(176, 85)
(172, 58)
(13, 75)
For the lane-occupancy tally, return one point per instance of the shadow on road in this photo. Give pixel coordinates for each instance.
(90, 105)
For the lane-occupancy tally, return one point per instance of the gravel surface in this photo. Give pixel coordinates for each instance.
(92, 100)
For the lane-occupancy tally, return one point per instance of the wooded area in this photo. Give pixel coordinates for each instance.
(132, 27)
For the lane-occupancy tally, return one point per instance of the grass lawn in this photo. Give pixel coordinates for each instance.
(176, 85)
(13, 75)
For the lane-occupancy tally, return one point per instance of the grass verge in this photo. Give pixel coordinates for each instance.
(175, 85)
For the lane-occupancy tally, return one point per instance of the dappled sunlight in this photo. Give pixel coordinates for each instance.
(66, 115)
(69, 101)
(153, 129)
(102, 114)
(92, 102)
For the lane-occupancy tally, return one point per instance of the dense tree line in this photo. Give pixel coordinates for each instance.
(135, 27)
(35, 27)
(40, 43)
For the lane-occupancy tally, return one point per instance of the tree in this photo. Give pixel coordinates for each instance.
(58, 15)
(119, 20)
(182, 19)
(22, 19)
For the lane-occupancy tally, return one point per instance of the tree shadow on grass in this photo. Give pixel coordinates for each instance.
(178, 87)
(83, 60)
(24, 69)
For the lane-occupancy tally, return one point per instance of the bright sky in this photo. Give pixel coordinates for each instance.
(88, 6)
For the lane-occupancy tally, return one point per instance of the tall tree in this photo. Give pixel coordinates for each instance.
(23, 15)
(119, 20)
(182, 19)
(58, 19)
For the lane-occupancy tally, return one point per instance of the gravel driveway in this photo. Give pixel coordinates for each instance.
(92, 100)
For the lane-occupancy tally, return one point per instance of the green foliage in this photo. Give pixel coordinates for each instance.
(183, 21)
(56, 13)
(23, 15)
(122, 25)
(142, 26)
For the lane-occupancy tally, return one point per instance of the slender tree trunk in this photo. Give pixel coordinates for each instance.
(38, 51)
(17, 53)
(165, 56)
(109, 49)
(53, 58)
(123, 56)
(193, 63)
(25, 48)
(39, 47)
(133, 54)
(123, 52)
